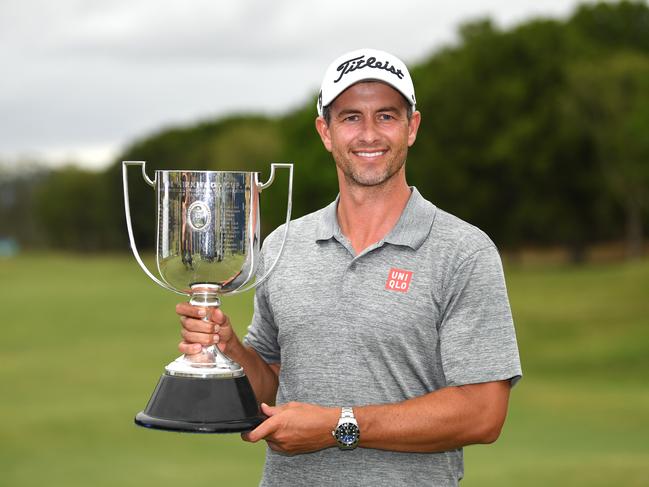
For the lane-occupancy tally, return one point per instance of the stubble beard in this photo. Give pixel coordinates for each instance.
(354, 176)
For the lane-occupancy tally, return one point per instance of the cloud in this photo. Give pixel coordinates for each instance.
(98, 74)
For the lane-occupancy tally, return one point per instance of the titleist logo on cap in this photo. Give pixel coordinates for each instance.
(360, 62)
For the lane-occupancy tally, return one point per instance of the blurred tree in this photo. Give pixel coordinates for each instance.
(72, 206)
(613, 25)
(535, 134)
(489, 148)
(18, 184)
(316, 182)
(611, 98)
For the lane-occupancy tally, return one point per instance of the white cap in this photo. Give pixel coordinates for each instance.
(365, 65)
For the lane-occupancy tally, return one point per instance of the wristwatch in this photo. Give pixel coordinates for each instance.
(347, 433)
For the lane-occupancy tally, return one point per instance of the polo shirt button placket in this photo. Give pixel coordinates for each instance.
(349, 281)
(344, 292)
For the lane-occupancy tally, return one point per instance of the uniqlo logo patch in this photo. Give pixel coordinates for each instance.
(398, 280)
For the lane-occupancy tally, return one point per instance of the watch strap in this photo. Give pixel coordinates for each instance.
(346, 413)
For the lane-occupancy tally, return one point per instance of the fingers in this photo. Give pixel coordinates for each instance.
(265, 429)
(186, 309)
(198, 326)
(189, 348)
(269, 410)
(268, 427)
(197, 337)
(196, 331)
(205, 333)
(215, 315)
(190, 323)
(219, 317)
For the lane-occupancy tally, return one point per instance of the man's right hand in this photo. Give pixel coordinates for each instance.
(197, 333)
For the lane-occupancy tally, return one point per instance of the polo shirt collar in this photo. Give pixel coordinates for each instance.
(328, 226)
(411, 229)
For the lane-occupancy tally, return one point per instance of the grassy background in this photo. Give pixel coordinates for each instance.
(85, 339)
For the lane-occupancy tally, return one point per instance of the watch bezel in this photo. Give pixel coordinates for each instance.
(340, 431)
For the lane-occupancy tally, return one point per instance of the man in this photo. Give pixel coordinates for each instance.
(386, 320)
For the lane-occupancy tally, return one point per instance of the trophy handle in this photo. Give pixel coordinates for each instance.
(127, 210)
(261, 187)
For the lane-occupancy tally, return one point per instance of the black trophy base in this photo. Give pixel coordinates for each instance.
(198, 405)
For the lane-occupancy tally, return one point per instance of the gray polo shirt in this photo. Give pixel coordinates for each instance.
(422, 309)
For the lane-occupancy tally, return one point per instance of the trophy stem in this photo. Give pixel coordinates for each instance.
(210, 361)
(205, 295)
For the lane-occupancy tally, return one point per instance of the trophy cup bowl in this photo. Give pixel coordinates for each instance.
(207, 246)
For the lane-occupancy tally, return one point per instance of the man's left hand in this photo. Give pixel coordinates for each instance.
(296, 427)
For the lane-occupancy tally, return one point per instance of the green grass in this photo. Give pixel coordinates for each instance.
(579, 416)
(84, 340)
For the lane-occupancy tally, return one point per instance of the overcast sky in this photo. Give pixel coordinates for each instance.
(83, 78)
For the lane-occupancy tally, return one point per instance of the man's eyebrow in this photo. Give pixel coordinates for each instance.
(347, 111)
(353, 111)
(388, 109)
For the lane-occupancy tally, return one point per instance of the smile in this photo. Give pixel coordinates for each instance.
(370, 154)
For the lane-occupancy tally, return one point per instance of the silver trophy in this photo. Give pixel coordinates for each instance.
(207, 245)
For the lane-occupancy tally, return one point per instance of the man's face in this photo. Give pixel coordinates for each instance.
(369, 133)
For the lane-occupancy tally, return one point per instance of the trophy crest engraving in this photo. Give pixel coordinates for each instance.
(198, 216)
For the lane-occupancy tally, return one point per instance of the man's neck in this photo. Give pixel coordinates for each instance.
(367, 214)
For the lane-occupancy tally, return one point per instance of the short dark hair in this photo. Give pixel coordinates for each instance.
(326, 111)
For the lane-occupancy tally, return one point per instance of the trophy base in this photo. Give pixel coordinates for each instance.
(142, 419)
(201, 405)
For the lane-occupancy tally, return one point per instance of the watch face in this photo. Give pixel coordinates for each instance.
(347, 434)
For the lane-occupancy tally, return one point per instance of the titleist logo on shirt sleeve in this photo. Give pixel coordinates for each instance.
(360, 62)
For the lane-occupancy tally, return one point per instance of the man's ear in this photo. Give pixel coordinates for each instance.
(413, 126)
(323, 131)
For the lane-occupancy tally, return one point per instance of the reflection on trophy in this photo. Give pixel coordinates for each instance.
(207, 246)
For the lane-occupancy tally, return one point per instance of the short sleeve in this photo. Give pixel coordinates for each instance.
(262, 332)
(477, 337)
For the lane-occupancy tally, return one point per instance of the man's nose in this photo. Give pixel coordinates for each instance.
(369, 132)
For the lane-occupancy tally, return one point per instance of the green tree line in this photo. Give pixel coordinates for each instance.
(538, 134)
